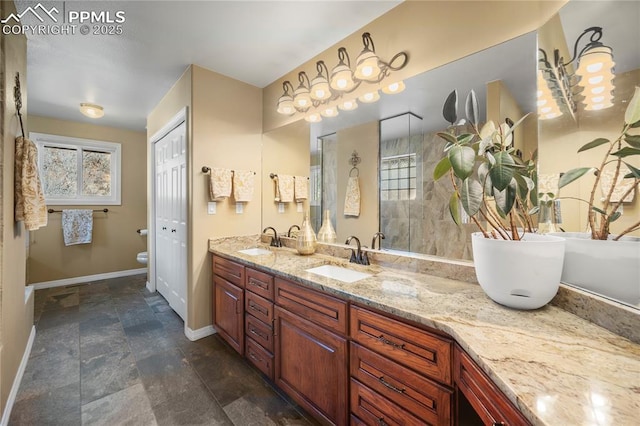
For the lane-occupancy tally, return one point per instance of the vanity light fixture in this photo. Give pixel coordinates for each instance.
(314, 117)
(326, 88)
(91, 110)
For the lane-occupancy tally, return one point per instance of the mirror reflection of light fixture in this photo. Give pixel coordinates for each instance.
(314, 117)
(592, 80)
(327, 87)
(91, 110)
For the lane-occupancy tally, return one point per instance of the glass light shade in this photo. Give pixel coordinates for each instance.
(349, 105)
(329, 111)
(595, 60)
(367, 67)
(542, 102)
(313, 118)
(598, 106)
(393, 88)
(285, 105)
(91, 110)
(320, 89)
(301, 98)
(369, 97)
(342, 78)
(550, 115)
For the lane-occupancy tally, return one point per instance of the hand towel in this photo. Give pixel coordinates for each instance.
(77, 226)
(548, 182)
(284, 188)
(352, 199)
(219, 184)
(243, 183)
(301, 188)
(30, 205)
(621, 187)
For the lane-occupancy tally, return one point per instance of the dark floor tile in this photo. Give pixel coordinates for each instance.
(94, 287)
(107, 373)
(54, 340)
(196, 409)
(58, 317)
(148, 338)
(136, 315)
(128, 406)
(125, 285)
(58, 406)
(61, 300)
(102, 340)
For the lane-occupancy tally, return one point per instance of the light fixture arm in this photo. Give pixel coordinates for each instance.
(367, 41)
(596, 35)
(286, 86)
(398, 56)
(342, 55)
(321, 66)
(302, 76)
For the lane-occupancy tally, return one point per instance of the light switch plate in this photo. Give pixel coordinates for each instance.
(299, 207)
(280, 207)
(211, 207)
(239, 208)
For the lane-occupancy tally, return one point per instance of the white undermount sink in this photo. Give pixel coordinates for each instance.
(254, 251)
(339, 273)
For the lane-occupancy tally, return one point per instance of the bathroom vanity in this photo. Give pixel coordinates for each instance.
(400, 347)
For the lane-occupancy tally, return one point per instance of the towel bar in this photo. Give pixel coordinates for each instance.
(60, 211)
(206, 169)
(274, 175)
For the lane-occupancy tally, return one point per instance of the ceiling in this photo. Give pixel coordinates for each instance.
(252, 41)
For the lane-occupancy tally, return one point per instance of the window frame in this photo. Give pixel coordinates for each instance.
(115, 149)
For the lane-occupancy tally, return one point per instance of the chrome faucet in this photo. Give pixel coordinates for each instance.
(377, 236)
(290, 228)
(357, 257)
(275, 240)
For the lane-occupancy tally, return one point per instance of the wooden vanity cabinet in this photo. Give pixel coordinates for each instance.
(311, 351)
(259, 320)
(473, 387)
(228, 302)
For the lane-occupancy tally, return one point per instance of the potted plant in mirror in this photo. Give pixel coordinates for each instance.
(497, 189)
(597, 260)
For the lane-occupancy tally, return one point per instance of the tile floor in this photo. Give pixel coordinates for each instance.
(112, 353)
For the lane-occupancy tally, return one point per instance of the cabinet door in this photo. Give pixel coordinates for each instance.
(311, 366)
(228, 314)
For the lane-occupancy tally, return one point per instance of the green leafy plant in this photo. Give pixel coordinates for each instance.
(624, 146)
(493, 185)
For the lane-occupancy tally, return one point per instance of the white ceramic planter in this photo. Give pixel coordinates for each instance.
(519, 274)
(609, 268)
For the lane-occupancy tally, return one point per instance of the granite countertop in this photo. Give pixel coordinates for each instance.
(557, 368)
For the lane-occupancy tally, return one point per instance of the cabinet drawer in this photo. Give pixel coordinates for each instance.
(259, 357)
(414, 348)
(375, 410)
(260, 332)
(485, 397)
(259, 283)
(318, 308)
(422, 397)
(259, 307)
(231, 271)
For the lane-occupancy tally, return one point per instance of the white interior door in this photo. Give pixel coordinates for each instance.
(171, 218)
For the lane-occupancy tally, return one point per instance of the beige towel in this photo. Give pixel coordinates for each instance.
(284, 188)
(243, 183)
(77, 226)
(30, 205)
(622, 185)
(219, 184)
(301, 188)
(352, 199)
(548, 182)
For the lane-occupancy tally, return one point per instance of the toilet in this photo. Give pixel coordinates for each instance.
(143, 256)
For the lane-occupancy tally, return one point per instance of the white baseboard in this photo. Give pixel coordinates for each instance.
(88, 278)
(18, 378)
(200, 333)
(150, 287)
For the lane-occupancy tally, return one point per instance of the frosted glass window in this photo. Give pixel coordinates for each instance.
(397, 177)
(78, 171)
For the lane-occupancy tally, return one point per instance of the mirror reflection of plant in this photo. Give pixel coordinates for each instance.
(623, 146)
(491, 183)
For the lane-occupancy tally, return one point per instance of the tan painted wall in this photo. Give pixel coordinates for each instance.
(16, 314)
(365, 140)
(284, 151)
(433, 33)
(115, 241)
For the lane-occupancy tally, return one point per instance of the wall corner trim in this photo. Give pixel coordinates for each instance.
(200, 333)
(88, 278)
(18, 379)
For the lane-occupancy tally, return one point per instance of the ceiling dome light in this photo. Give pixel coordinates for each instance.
(313, 118)
(369, 97)
(393, 88)
(329, 111)
(349, 105)
(91, 110)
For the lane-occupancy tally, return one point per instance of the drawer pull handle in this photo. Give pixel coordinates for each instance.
(257, 308)
(257, 333)
(499, 424)
(390, 343)
(255, 358)
(257, 283)
(381, 422)
(390, 386)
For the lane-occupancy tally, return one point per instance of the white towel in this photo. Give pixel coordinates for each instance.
(284, 188)
(29, 198)
(77, 226)
(243, 183)
(219, 184)
(352, 199)
(301, 188)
